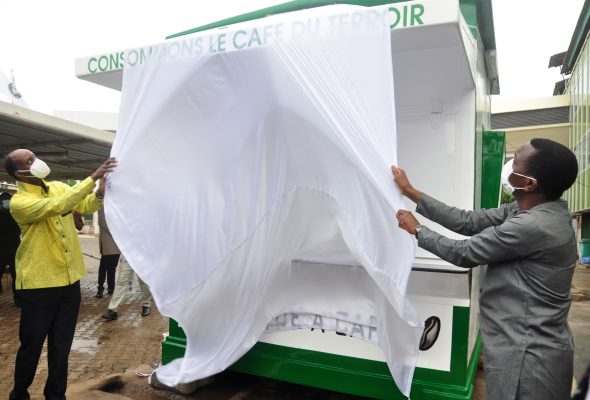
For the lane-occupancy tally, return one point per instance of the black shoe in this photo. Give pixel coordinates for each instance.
(99, 294)
(110, 315)
(145, 311)
(11, 396)
(110, 291)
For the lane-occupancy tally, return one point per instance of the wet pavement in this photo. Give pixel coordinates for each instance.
(132, 343)
(100, 347)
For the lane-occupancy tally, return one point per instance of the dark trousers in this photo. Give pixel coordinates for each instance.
(13, 278)
(49, 313)
(107, 269)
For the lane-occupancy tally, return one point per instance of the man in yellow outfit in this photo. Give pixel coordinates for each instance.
(49, 266)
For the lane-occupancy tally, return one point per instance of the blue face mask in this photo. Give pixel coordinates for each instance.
(6, 204)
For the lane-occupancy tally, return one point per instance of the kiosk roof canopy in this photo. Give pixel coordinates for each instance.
(107, 69)
(476, 13)
(73, 151)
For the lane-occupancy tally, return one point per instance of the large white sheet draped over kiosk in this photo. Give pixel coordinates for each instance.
(253, 186)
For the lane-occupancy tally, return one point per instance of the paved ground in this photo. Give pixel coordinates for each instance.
(132, 343)
(99, 348)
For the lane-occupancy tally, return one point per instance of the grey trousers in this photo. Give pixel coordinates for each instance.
(124, 275)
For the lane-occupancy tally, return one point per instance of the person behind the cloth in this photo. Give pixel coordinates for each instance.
(9, 241)
(109, 257)
(49, 266)
(530, 249)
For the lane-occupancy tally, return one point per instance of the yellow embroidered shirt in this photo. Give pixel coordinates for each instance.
(49, 254)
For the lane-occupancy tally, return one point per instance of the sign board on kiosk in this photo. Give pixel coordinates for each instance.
(442, 93)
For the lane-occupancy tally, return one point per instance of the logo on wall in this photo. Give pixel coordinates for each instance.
(14, 91)
(430, 334)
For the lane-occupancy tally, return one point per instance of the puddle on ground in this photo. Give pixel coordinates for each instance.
(88, 346)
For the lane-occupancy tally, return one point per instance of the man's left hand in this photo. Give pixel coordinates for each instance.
(407, 221)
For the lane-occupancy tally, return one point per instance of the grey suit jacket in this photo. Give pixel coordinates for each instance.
(526, 291)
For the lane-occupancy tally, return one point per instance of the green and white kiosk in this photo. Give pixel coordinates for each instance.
(444, 70)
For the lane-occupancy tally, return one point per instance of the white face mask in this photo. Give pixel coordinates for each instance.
(506, 172)
(39, 169)
(6, 204)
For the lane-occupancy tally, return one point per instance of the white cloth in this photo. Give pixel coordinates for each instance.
(243, 150)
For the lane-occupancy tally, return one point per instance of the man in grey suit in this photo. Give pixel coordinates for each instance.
(530, 249)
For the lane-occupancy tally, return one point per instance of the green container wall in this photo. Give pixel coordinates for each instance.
(584, 248)
(355, 376)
